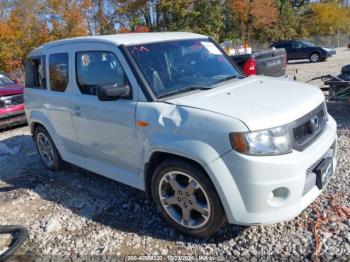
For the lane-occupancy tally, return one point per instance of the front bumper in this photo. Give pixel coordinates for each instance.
(245, 183)
(332, 53)
(12, 116)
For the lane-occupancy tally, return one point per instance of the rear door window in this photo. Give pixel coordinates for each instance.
(58, 72)
(35, 72)
(95, 68)
(298, 45)
(288, 45)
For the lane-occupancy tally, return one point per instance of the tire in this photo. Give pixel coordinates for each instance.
(314, 57)
(174, 174)
(47, 150)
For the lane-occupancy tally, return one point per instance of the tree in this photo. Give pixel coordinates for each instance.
(129, 14)
(22, 31)
(230, 27)
(327, 18)
(201, 16)
(251, 16)
(287, 25)
(66, 18)
(104, 19)
(207, 17)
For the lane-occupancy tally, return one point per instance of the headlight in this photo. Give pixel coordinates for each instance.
(275, 141)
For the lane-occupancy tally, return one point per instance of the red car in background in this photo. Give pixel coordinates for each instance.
(11, 102)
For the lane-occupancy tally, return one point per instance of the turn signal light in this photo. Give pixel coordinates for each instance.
(238, 142)
(142, 123)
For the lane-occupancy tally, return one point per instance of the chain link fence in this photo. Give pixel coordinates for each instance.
(341, 40)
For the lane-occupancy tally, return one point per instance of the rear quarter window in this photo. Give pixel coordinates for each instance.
(278, 45)
(58, 72)
(35, 72)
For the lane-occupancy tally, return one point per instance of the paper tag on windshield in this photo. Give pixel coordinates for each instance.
(212, 49)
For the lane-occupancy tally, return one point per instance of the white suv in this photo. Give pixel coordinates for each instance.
(171, 114)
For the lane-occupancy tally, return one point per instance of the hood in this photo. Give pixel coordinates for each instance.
(259, 102)
(328, 49)
(12, 89)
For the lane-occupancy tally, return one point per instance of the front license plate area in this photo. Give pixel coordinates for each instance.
(324, 172)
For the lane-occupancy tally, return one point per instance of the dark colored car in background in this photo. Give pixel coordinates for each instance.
(267, 63)
(302, 49)
(11, 102)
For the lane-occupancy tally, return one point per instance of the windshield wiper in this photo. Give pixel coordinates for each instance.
(225, 79)
(186, 89)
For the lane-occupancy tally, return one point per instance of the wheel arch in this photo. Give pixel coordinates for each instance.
(315, 52)
(159, 156)
(34, 125)
(36, 119)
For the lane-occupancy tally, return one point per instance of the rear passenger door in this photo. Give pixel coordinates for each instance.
(299, 50)
(289, 50)
(58, 100)
(105, 129)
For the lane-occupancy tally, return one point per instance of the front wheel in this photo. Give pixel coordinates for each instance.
(186, 198)
(314, 57)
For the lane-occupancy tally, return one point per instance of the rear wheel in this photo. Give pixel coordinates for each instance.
(314, 57)
(186, 198)
(47, 150)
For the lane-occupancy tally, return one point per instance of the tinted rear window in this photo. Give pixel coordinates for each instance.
(58, 72)
(35, 72)
(279, 45)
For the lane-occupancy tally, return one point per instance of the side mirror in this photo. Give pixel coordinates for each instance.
(112, 92)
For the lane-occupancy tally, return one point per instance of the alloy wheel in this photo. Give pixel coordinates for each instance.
(184, 199)
(45, 149)
(314, 58)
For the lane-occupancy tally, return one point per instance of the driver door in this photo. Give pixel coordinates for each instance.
(105, 129)
(299, 50)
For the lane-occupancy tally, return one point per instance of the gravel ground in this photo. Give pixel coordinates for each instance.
(75, 213)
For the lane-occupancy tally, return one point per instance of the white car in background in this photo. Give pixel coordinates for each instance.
(171, 114)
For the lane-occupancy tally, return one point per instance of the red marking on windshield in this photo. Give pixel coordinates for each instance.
(196, 46)
(142, 48)
(139, 49)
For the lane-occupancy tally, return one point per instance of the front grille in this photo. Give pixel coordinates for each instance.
(301, 131)
(7, 101)
(306, 129)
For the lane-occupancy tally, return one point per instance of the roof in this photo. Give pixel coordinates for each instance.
(125, 39)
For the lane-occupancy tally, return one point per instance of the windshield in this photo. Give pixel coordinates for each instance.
(4, 80)
(307, 43)
(182, 65)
